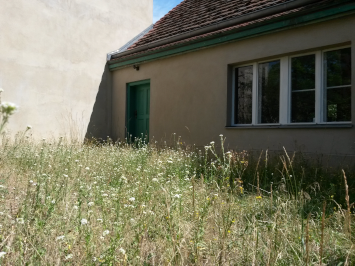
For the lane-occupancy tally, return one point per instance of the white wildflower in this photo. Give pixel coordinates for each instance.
(60, 238)
(84, 221)
(29, 127)
(177, 196)
(8, 108)
(99, 220)
(122, 251)
(212, 143)
(132, 199)
(155, 180)
(53, 201)
(105, 195)
(20, 220)
(87, 168)
(75, 207)
(31, 181)
(2, 254)
(221, 135)
(106, 232)
(90, 204)
(69, 256)
(1, 186)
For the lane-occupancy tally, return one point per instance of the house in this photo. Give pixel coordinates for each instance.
(51, 62)
(266, 74)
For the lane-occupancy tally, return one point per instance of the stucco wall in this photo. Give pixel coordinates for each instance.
(53, 55)
(189, 92)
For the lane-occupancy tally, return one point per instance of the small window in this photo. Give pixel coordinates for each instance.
(338, 85)
(303, 88)
(243, 95)
(269, 92)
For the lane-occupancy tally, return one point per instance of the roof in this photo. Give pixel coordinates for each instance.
(190, 15)
(195, 21)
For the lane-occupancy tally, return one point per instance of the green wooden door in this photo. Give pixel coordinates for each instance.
(138, 118)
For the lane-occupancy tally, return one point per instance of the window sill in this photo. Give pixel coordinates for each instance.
(299, 126)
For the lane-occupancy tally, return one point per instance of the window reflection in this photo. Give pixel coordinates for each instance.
(338, 85)
(303, 83)
(269, 92)
(243, 95)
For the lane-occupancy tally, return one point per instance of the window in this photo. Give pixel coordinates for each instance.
(269, 92)
(338, 85)
(313, 88)
(303, 88)
(243, 96)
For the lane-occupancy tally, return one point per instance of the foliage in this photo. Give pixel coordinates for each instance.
(7, 109)
(138, 204)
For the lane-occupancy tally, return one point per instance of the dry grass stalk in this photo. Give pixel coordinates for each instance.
(307, 239)
(348, 217)
(322, 235)
(257, 166)
(258, 187)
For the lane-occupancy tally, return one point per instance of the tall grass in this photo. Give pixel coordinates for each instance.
(139, 204)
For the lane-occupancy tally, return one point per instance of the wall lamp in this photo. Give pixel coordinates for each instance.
(136, 67)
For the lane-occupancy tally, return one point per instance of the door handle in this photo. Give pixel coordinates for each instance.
(135, 114)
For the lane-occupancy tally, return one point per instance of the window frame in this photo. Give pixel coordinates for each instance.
(286, 90)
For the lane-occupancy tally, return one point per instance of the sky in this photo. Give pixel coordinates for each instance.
(161, 7)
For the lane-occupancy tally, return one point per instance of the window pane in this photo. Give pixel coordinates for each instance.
(303, 72)
(303, 83)
(269, 92)
(338, 66)
(339, 104)
(338, 85)
(243, 95)
(303, 107)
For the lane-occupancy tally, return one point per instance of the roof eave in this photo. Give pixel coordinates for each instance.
(325, 13)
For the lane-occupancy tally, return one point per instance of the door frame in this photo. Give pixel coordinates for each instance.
(128, 102)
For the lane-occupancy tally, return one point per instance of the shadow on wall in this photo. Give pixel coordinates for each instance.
(100, 121)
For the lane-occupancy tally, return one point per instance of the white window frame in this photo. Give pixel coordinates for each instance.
(285, 90)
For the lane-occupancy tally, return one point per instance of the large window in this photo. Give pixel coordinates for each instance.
(313, 88)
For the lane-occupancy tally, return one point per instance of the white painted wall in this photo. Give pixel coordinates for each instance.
(53, 54)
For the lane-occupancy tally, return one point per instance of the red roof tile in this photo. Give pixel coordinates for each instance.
(190, 15)
(193, 14)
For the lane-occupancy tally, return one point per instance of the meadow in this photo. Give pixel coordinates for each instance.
(105, 203)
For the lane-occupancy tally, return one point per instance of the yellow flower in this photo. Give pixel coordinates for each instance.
(233, 221)
(258, 197)
(229, 232)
